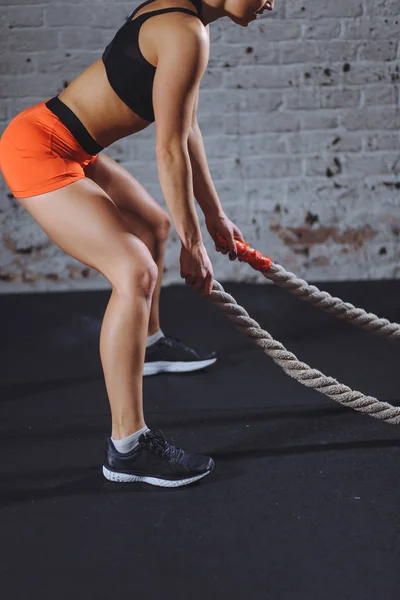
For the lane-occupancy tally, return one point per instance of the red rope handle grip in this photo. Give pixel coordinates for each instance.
(258, 261)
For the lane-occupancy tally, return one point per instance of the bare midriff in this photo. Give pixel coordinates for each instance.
(91, 97)
(106, 117)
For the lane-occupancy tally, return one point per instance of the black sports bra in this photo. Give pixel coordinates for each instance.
(129, 73)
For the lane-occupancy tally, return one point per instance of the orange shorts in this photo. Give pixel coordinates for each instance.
(39, 153)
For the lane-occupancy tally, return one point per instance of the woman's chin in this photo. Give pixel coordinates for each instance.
(243, 21)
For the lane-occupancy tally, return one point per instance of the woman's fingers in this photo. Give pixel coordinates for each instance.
(221, 248)
(230, 247)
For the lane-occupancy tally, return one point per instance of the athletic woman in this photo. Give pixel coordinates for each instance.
(96, 211)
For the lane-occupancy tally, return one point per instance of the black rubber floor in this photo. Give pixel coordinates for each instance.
(304, 500)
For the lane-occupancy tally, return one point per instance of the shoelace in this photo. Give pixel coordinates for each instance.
(155, 440)
(170, 339)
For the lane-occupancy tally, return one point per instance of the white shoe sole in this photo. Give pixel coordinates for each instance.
(126, 478)
(161, 366)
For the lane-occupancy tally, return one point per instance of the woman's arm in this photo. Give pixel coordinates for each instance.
(183, 51)
(203, 185)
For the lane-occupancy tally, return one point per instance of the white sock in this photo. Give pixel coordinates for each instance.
(130, 442)
(152, 339)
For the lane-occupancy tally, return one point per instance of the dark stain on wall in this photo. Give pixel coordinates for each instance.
(78, 272)
(336, 169)
(35, 249)
(296, 237)
(305, 251)
(395, 76)
(7, 277)
(9, 242)
(311, 218)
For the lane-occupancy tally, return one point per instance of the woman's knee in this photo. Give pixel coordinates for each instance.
(147, 276)
(140, 280)
(136, 273)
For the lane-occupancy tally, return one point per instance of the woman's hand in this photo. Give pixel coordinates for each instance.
(218, 223)
(196, 268)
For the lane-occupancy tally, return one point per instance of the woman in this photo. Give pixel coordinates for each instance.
(94, 210)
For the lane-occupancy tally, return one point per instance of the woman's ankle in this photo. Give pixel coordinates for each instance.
(119, 432)
(129, 443)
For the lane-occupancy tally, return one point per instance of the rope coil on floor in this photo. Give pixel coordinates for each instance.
(291, 365)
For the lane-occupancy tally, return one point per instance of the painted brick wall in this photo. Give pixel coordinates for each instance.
(300, 114)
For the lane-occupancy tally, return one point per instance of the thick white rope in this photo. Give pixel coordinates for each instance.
(342, 310)
(299, 370)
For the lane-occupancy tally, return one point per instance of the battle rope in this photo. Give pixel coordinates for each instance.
(310, 293)
(287, 360)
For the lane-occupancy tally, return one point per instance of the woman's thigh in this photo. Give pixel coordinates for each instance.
(127, 193)
(85, 223)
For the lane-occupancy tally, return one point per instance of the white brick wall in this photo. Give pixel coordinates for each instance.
(300, 114)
